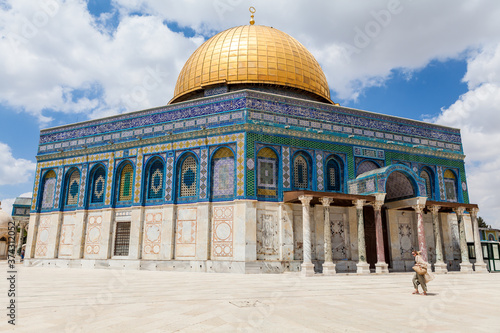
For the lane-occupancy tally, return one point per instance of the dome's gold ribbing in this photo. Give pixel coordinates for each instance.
(252, 54)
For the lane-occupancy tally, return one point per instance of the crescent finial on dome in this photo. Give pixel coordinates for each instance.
(252, 10)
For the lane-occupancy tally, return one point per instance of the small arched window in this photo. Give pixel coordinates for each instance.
(155, 180)
(125, 191)
(300, 172)
(333, 179)
(450, 186)
(98, 186)
(223, 173)
(72, 188)
(188, 177)
(267, 173)
(48, 190)
(426, 175)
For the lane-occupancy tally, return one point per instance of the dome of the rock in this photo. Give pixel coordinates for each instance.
(252, 54)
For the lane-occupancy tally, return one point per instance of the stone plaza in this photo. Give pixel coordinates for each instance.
(110, 300)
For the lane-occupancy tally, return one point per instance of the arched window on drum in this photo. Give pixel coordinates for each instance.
(427, 175)
(450, 186)
(72, 188)
(223, 174)
(301, 172)
(126, 183)
(155, 179)
(48, 190)
(267, 173)
(97, 185)
(333, 174)
(188, 178)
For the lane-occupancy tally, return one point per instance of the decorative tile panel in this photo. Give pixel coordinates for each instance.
(222, 232)
(286, 167)
(203, 173)
(83, 185)
(138, 176)
(319, 172)
(169, 178)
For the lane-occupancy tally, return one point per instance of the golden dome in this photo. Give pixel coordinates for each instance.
(252, 54)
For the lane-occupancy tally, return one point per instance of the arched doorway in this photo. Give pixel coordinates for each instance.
(399, 186)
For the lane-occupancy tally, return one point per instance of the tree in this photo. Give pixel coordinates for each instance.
(482, 224)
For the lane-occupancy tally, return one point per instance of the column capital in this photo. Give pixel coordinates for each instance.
(434, 209)
(377, 205)
(305, 199)
(419, 208)
(325, 201)
(359, 203)
(459, 210)
(474, 211)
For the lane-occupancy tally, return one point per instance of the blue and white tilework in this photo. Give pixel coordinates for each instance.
(83, 184)
(203, 173)
(286, 167)
(169, 177)
(319, 172)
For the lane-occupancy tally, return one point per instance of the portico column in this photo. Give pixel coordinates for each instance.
(480, 265)
(362, 267)
(422, 246)
(328, 265)
(307, 267)
(439, 266)
(465, 265)
(381, 266)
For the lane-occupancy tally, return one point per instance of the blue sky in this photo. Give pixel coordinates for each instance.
(68, 61)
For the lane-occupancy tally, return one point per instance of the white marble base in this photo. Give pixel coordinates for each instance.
(466, 267)
(440, 268)
(381, 268)
(362, 268)
(480, 268)
(329, 268)
(307, 269)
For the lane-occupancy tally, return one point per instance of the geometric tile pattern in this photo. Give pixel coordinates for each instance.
(58, 187)
(109, 181)
(222, 232)
(138, 177)
(169, 178)
(83, 185)
(319, 171)
(73, 188)
(98, 185)
(203, 172)
(188, 174)
(125, 191)
(49, 187)
(301, 172)
(155, 180)
(441, 183)
(286, 167)
(223, 177)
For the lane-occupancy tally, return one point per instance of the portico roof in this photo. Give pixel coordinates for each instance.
(339, 199)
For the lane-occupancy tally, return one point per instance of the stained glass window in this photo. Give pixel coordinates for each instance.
(48, 190)
(300, 172)
(188, 177)
(126, 184)
(332, 175)
(98, 185)
(223, 173)
(267, 173)
(450, 186)
(155, 180)
(428, 184)
(73, 188)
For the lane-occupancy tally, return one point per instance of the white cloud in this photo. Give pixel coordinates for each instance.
(12, 170)
(477, 113)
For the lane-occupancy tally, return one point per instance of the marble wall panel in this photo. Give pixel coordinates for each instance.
(222, 232)
(185, 239)
(67, 237)
(267, 234)
(152, 240)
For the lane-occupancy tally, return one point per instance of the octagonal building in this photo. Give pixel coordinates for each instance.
(251, 168)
